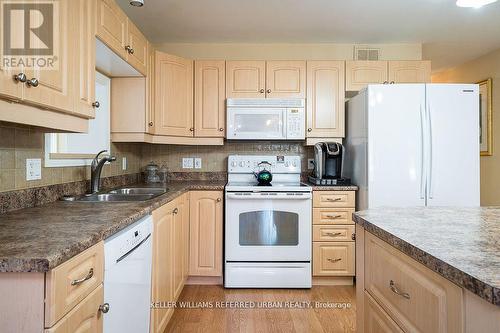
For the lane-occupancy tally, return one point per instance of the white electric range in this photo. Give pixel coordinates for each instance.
(267, 228)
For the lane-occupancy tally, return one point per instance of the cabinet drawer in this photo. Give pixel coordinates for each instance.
(69, 283)
(342, 199)
(418, 299)
(326, 233)
(85, 317)
(333, 258)
(376, 319)
(332, 216)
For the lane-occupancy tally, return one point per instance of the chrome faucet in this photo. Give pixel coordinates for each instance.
(95, 170)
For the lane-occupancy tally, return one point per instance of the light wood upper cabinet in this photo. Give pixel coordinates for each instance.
(173, 95)
(150, 91)
(83, 12)
(209, 98)
(55, 88)
(205, 256)
(361, 73)
(325, 99)
(409, 71)
(162, 286)
(286, 79)
(112, 26)
(138, 48)
(245, 79)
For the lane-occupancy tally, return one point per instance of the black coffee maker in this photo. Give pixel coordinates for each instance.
(328, 164)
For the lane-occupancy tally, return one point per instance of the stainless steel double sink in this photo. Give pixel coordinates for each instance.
(124, 194)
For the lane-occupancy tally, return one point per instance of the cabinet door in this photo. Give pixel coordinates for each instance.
(85, 317)
(209, 98)
(205, 258)
(10, 88)
(361, 73)
(325, 99)
(178, 245)
(185, 235)
(245, 79)
(376, 319)
(83, 14)
(162, 275)
(138, 55)
(112, 26)
(409, 71)
(150, 91)
(333, 258)
(55, 88)
(286, 79)
(173, 95)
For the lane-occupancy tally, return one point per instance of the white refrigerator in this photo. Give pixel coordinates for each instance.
(414, 145)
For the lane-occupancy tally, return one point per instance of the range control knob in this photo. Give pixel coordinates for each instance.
(233, 164)
(287, 164)
(242, 164)
(294, 164)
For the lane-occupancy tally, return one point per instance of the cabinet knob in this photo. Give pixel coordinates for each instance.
(221, 129)
(175, 211)
(268, 91)
(128, 49)
(150, 124)
(96, 104)
(309, 129)
(21, 77)
(32, 83)
(353, 236)
(392, 82)
(131, 51)
(261, 91)
(104, 308)
(192, 129)
(219, 199)
(386, 82)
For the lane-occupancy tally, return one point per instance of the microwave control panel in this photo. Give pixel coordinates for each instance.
(295, 124)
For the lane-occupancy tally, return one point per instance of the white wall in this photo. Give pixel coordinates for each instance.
(286, 51)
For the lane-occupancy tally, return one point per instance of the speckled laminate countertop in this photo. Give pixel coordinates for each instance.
(333, 187)
(461, 244)
(40, 238)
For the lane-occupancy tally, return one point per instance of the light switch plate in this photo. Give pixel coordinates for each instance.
(33, 169)
(197, 163)
(187, 163)
(310, 163)
(124, 163)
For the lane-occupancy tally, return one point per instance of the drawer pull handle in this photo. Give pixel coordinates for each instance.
(78, 281)
(333, 217)
(336, 199)
(333, 234)
(334, 260)
(395, 290)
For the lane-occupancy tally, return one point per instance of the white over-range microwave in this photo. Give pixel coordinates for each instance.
(265, 119)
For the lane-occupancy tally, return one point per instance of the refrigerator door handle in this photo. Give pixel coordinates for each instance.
(430, 174)
(422, 154)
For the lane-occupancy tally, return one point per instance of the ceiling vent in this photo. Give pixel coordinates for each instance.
(366, 53)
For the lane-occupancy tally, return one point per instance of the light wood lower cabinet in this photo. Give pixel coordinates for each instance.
(333, 234)
(206, 212)
(169, 259)
(376, 320)
(417, 299)
(84, 318)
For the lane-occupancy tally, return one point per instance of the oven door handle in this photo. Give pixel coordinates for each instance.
(259, 196)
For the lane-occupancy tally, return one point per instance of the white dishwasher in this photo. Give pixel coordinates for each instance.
(127, 278)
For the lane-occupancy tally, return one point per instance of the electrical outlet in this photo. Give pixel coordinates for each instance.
(187, 163)
(124, 163)
(310, 163)
(33, 169)
(197, 163)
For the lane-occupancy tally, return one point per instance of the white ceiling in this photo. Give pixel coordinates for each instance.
(450, 35)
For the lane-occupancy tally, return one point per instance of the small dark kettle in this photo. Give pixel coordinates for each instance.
(264, 177)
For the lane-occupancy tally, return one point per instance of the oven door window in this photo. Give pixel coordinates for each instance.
(268, 228)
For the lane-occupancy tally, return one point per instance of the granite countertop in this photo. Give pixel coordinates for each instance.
(461, 244)
(40, 238)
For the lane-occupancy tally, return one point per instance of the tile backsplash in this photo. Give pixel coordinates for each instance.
(17, 143)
